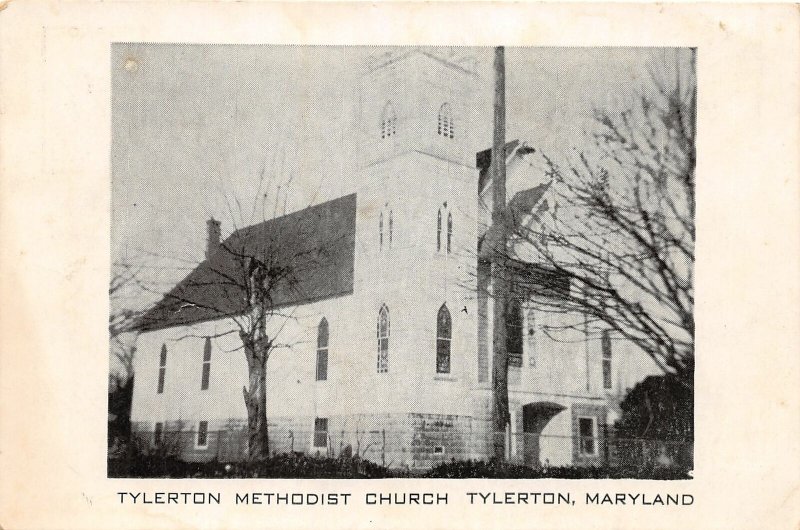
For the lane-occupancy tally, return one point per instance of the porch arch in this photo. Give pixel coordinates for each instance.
(535, 417)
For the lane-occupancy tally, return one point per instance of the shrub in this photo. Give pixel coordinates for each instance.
(277, 466)
(494, 469)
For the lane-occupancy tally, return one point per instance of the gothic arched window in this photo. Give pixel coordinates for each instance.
(383, 340)
(388, 121)
(322, 350)
(444, 334)
(445, 127)
(439, 231)
(514, 333)
(449, 230)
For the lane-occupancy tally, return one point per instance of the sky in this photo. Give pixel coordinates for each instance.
(202, 131)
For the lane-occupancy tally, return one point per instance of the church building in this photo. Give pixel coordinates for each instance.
(383, 339)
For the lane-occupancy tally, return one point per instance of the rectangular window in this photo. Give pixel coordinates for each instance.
(322, 364)
(206, 365)
(587, 430)
(202, 434)
(606, 346)
(321, 432)
(162, 369)
(158, 434)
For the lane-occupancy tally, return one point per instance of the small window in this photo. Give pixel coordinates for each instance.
(439, 231)
(322, 350)
(162, 369)
(206, 365)
(444, 333)
(606, 347)
(514, 334)
(158, 434)
(449, 230)
(445, 124)
(383, 340)
(380, 231)
(388, 121)
(391, 228)
(587, 428)
(202, 434)
(321, 432)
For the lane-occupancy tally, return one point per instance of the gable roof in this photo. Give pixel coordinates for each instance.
(523, 202)
(483, 161)
(519, 207)
(314, 248)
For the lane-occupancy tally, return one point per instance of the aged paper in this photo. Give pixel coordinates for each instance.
(58, 61)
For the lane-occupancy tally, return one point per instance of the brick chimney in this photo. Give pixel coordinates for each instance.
(212, 243)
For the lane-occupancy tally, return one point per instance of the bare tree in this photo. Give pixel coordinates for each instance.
(623, 235)
(254, 279)
(125, 284)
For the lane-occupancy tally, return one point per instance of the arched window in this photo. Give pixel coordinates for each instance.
(445, 127)
(162, 369)
(444, 334)
(383, 340)
(380, 231)
(322, 350)
(439, 231)
(388, 121)
(514, 334)
(449, 230)
(391, 228)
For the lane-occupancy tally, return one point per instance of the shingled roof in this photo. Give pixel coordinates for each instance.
(315, 247)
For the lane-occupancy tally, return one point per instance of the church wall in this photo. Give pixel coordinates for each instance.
(414, 187)
(292, 387)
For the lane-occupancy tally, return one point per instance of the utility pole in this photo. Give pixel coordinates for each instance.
(499, 275)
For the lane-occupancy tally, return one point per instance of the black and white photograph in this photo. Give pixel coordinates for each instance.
(372, 262)
(399, 265)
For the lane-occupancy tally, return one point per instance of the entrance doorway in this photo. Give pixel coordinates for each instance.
(535, 417)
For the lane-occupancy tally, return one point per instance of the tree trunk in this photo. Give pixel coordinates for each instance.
(256, 349)
(500, 284)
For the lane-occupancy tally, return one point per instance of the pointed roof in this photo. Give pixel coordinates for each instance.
(520, 206)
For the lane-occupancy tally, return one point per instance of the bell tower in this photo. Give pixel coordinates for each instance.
(414, 100)
(417, 215)
(417, 145)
